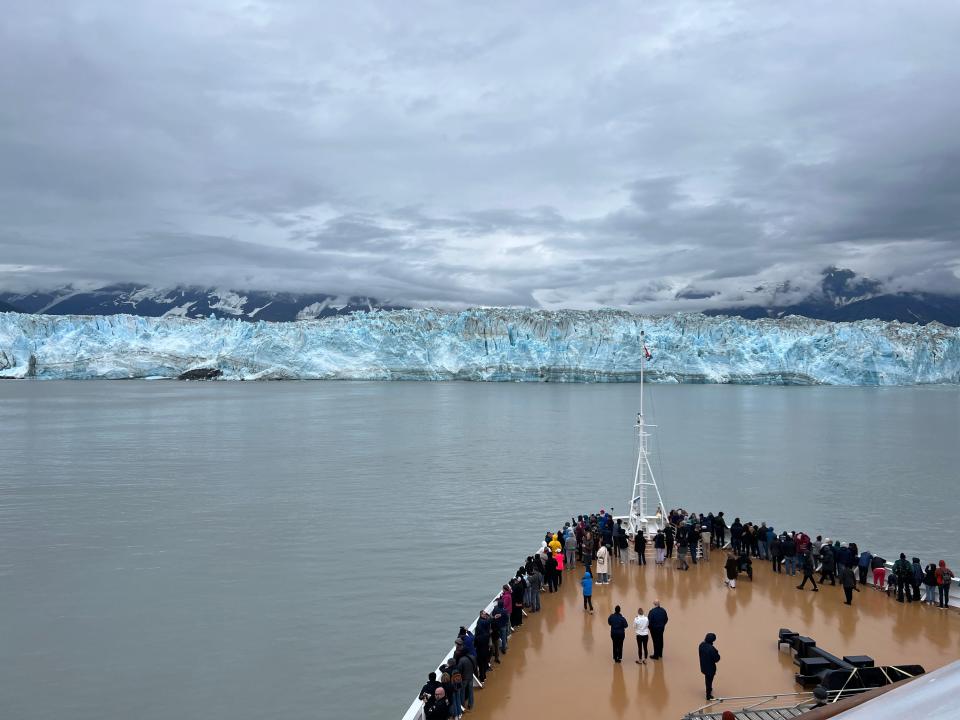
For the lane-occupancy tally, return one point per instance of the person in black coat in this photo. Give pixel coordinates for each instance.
(437, 707)
(732, 569)
(849, 582)
(427, 691)
(618, 626)
(551, 575)
(827, 564)
(709, 657)
(640, 547)
(720, 525)
(776, 556)
(807, 565)
(481, 640)
(658, 623)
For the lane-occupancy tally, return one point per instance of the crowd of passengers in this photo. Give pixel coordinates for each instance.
(598, 541)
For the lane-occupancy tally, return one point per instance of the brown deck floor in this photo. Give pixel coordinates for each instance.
(560, 665)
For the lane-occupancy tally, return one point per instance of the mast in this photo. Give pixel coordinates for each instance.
(645, 490)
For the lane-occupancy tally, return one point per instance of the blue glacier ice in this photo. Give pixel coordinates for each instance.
(484, 344)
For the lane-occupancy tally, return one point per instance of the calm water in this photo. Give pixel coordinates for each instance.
(304, 550)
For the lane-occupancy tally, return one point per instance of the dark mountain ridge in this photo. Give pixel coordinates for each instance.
(842, 296)
(845, 297)
(191, 302)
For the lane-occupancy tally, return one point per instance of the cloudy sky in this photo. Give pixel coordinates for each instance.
(650, 155)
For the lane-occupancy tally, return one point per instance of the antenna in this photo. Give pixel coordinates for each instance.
(645, 488)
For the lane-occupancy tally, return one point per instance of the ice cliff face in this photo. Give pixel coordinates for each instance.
(484, 344)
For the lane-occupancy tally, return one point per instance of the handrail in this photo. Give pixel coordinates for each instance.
(809, 696)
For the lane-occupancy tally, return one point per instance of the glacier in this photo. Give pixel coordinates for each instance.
(493, 344)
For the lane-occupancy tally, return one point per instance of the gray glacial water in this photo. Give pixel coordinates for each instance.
(303, 550)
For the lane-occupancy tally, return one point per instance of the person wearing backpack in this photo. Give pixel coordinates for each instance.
(457, 681)
(944, 578)
(902, 573)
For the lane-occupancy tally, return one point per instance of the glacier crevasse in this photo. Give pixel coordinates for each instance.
(484, 344)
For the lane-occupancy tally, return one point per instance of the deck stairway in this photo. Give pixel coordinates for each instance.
(783, 713)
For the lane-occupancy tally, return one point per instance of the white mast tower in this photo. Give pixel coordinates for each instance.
(646, 506)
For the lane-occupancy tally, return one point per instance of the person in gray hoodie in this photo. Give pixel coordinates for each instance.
(535, 584)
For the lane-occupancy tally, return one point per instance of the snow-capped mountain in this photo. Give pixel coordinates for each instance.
(483, 344)
(190, 302)
(843, 296)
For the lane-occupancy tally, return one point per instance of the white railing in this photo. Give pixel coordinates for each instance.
(415, 711)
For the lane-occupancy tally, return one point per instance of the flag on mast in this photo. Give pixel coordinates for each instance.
(646, 353)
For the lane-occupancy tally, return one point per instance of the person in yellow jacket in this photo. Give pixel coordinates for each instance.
(554, 544)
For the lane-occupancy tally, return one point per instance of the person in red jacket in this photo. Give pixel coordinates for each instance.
(944, 577)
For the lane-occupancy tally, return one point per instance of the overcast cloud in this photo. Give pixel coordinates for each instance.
(650, 155)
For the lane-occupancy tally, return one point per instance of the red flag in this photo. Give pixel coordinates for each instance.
(646, 353)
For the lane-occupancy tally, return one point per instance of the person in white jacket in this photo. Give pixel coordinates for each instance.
(603, 565)
(641, 626)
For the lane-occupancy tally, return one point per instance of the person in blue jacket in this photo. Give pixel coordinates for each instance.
(502, 617)
(866, 557)
(587, 584)
(618, 628)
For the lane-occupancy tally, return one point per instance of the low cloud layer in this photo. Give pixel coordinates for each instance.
(655, 156)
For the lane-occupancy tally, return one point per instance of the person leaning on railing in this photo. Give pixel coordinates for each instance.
(944, 579)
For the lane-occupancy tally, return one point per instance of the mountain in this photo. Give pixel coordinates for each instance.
(188, 302)
(7, 307)
(845, 297)
(496, 344)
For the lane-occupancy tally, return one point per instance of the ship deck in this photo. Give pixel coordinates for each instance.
(559, 664)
